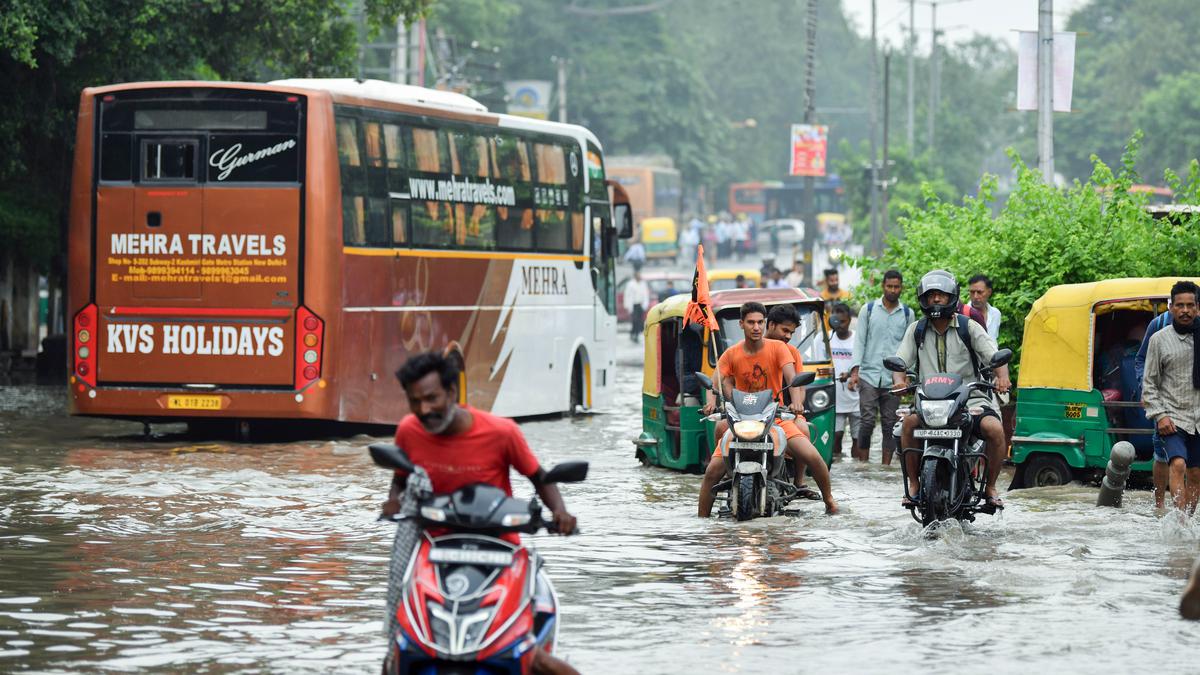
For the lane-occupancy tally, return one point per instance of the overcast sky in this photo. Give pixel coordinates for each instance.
(958, 18)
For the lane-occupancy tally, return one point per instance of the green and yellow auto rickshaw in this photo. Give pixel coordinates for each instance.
(674, 434)
(1077, 393)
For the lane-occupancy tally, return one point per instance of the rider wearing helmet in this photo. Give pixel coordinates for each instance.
(947, 342)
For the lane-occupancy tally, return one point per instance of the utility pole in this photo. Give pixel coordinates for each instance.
(874, 127)
(933, 78)
(912, 72)
(562, 87)
(884, 185)
(400, 55)
(1045, 127)
(810, 94)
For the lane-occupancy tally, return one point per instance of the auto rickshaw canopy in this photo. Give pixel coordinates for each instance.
(1057, 348)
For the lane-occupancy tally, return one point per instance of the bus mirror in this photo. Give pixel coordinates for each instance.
(624, 219)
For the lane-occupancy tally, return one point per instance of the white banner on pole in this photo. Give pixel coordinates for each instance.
(1027, 67)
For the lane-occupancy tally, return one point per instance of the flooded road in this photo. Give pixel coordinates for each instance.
(121, 554)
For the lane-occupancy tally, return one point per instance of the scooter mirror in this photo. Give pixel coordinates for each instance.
(389, 456)
(1001, 357)
(803, 379)
(705, 380)
(567, 472)
(895, 364)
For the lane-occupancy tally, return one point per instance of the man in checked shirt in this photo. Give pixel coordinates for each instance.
(1171, 394)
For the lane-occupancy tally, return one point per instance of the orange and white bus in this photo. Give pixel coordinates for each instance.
(256, 251)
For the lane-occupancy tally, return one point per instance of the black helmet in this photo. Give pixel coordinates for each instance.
(938, 280)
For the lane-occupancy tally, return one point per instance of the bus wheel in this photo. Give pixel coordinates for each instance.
(576, 386)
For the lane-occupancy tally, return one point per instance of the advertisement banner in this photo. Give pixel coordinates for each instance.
(1027, 67)
(808, 150)
(528, 98)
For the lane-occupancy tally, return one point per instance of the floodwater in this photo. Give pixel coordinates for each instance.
(120, 554)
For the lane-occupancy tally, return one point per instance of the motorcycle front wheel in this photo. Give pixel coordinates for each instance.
(933, 493)
(745, 500)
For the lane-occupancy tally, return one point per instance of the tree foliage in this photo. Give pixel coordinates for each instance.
(51, 49)
(1043, 236)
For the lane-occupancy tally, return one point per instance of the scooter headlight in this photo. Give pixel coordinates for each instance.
(937, 413)
(748, 430)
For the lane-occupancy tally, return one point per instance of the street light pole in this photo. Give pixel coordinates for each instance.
(912, 72)
(562, 87)
(874, 126)
(810, 92)
(1046, 89)
(933, 77)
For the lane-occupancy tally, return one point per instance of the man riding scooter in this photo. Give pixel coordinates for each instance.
(945, 342)
(759, 364)
(460, 445)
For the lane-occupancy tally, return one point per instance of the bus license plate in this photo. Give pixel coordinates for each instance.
(194, 402)
(937, 433)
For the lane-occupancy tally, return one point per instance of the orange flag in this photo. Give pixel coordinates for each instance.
(699, 310)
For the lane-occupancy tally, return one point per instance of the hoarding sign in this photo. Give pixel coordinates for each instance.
(808, 150)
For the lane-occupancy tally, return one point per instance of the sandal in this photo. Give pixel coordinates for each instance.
(805, 492)
(994, 501)
(908, 502)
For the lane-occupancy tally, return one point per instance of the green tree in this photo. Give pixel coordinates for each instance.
(51, 49)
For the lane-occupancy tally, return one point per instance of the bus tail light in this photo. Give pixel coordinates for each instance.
(310, 335)
(83, 356)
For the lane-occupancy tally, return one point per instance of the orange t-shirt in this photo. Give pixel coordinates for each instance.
(756, 372)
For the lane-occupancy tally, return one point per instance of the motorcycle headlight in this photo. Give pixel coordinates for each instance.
(936, 413)
(819, 400)
(748, 430)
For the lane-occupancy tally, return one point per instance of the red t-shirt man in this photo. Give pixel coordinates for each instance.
(483, 454)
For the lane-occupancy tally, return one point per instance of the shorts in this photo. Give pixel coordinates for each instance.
(845, 420)
(977, 421)
(1160, 448)
(1184, 446)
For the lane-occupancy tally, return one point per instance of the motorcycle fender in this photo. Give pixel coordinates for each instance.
(749, 467)
(779, 439)
(938, 451)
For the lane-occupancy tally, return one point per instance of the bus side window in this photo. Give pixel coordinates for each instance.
(551, 197)
(395, 159)
(116, 157)
(514, 224)
(353, 181)
(378, 227)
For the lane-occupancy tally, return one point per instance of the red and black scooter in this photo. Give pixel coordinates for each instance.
(469, 601)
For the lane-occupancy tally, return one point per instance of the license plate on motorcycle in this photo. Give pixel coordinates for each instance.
(744, 445)
(937, 433)
(461, 556)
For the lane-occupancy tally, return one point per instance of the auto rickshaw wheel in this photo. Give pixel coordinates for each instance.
(1045, 470)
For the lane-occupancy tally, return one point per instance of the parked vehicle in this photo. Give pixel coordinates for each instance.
(786, 233)
(726, 279)
(660, 237)
(657, 281)
(954, 465)
(1077, 394)
(469, 600)
(760, 474)
(673, 435)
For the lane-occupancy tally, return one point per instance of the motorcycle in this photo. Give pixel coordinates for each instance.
(954, 467)
(760, 482)
(468, 600)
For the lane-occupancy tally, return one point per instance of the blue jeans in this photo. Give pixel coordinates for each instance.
(1184, 446)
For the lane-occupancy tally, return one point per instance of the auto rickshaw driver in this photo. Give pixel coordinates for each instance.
(757, 364)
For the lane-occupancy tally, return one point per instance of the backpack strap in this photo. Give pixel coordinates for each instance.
(867, 317)
(962, 327)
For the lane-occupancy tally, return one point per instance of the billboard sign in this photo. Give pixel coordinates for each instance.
(808, 146)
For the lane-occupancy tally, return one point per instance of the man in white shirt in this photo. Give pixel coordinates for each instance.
(636, 255)
(689, 239)
(796, 276)
(637, 301)
(841, 343)
(980, 290)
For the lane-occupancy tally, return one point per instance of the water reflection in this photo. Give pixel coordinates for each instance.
(123, 553)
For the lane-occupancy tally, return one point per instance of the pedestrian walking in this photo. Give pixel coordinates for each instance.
(724, 236)
(980, 290)
(636, 255)
(1158, 473)
(832, 290)
(841, 344)
(689, 239)
(637, 301)
(881, 326)
(1171, 394)
(795, 278)
(777, 280)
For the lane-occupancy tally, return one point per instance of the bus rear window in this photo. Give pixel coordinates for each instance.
(255, 120)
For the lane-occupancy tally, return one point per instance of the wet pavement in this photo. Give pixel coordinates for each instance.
(121, 554)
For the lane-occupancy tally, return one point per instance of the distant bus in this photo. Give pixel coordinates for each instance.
(786, 200)
(654, 191)
(750, 198)
(248, 251)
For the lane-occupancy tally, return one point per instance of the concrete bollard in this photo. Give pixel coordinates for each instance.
(1113, 485)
